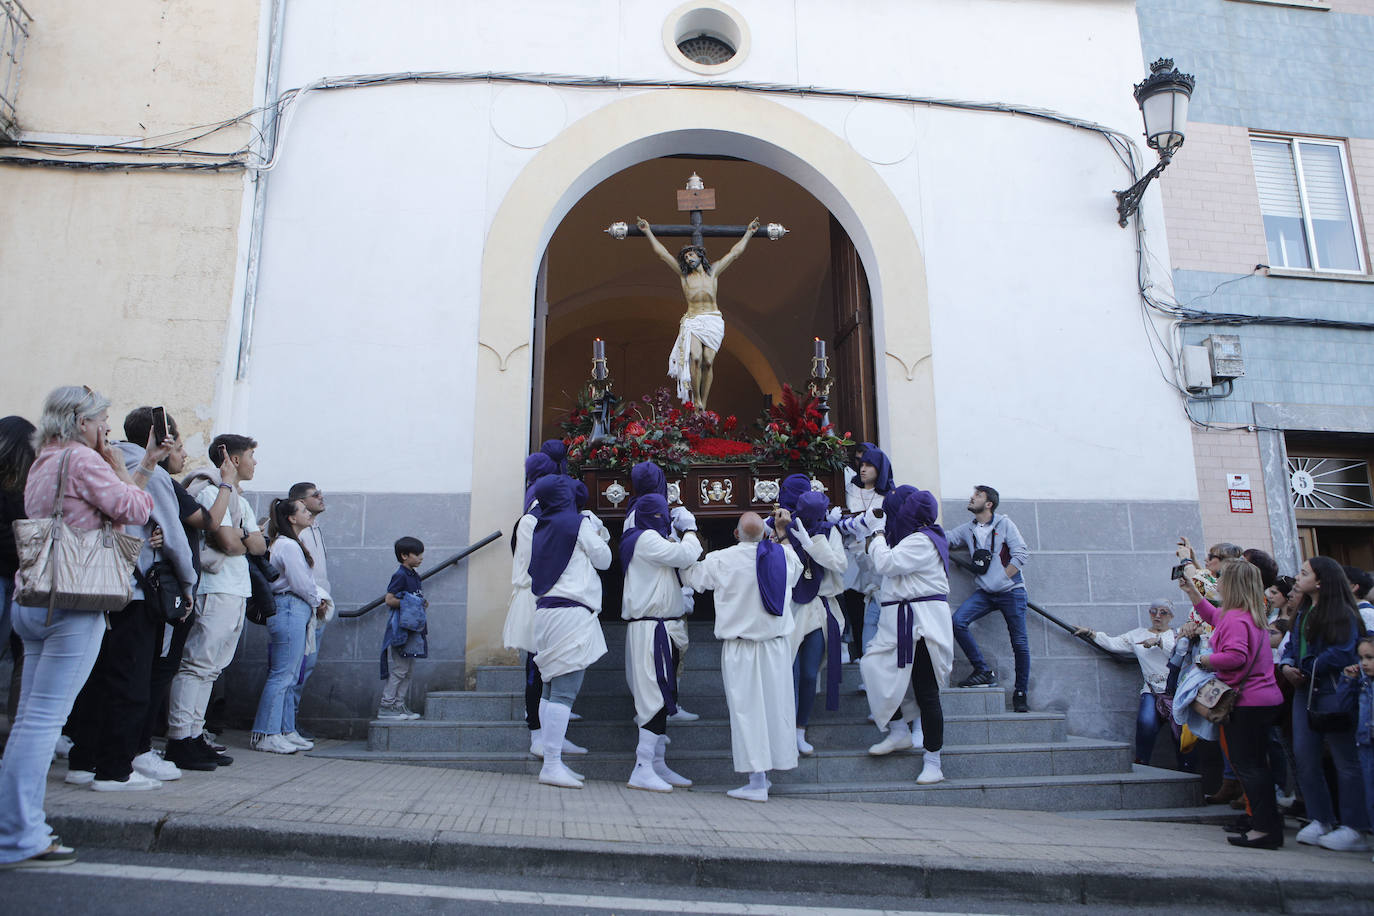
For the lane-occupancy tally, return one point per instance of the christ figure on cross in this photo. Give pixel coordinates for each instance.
(702, 329)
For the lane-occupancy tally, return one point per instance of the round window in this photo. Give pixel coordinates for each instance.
(706, 37)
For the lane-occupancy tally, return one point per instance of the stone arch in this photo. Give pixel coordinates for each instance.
(622, 134)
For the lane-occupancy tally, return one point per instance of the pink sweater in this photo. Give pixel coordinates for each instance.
(1241, 656)
(93, 491)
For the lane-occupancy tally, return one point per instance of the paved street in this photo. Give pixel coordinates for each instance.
(275, 808)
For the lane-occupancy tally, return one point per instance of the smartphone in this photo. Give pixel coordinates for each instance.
(159, 425)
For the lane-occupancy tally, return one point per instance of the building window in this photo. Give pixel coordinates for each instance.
(1320, 483)
(1308, 207)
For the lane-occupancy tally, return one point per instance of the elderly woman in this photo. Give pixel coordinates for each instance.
(1151, 648)
(60, 647)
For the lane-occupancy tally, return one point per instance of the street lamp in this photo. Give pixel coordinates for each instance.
(1163, 100)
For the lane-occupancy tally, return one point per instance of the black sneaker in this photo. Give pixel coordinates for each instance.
(1018, 701)
(211, 754)
(985, 678)
(187, 754)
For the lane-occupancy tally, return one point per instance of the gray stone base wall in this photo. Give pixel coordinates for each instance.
(359, 531)
(1093, 563)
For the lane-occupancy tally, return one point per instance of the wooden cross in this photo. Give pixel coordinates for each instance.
(695, 199)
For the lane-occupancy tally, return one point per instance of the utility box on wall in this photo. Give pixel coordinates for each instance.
(1224, 351)
(1197, 368)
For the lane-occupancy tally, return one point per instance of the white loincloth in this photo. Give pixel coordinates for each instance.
(710, 330)
(518, 632)
(566, 639)
(639, 664)
(762, 704)
(884, 682)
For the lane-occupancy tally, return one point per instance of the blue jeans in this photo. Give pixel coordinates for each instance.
(285, 652)
(293, 694)
(1307, 751)
(1147, 726)
(57, 660)
(872, 611)
(1012, 605)
(1366, 754)
(805, 667)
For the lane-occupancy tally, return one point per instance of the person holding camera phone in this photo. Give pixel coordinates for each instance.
(999, 553)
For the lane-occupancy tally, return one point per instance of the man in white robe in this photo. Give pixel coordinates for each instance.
(755, 659)
(652, 603)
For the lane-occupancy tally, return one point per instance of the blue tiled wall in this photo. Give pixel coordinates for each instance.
(1268, 67)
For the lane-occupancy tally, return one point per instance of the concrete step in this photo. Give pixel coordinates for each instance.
(1075, 756)
(703, 734)
(893, 779)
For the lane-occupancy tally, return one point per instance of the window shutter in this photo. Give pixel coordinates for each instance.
(1325, 180)
(1276, 178)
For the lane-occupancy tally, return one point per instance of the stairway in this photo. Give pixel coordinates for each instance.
(994, 758)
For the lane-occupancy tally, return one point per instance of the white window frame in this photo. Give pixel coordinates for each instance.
(1293, 140)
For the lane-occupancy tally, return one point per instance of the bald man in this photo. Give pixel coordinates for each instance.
(752, 581)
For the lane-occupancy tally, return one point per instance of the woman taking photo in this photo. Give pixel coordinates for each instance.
(296, 598)
(60, 646)
(1241, 659)
(1322, 643)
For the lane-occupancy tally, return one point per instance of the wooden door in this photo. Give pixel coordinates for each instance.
(853, 399)
(541, 320)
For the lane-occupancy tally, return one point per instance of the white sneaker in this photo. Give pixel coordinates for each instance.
(804, 747)
(747, 794)
(136, 782)
(644, 777)
(295, 738)
(1313, 832)
(150, 764)
(406, 712)
(898, 739)
(931, 770)
(683, 715)
(64, 746)
(79, 777)
(390, 712)
(275, 744)
(1344, 839)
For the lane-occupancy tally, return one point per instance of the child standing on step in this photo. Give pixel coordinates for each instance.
(406, 630)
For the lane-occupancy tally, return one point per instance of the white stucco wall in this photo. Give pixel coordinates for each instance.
(376, 220)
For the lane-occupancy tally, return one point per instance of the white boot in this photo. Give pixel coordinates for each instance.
(918, 736)
(804, 747)
(756, 791)
(537, 742)
(931, 772)
(554, 719)
(898, 739)
(568, 746)
(643, 775)
(661, 766)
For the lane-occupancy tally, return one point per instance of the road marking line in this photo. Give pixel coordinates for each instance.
(470, 894)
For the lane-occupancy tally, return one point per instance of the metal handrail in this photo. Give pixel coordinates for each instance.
(967, 567)
(460, 555)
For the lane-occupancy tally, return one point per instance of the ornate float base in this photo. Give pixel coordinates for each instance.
(708, 490)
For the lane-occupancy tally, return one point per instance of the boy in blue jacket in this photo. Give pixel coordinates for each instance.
(406, 629)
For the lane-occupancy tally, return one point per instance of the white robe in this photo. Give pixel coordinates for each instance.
(755, 659)
(652, 593)
(912, 569)
(710, 330)
(568, 639)
(518, 632)
(828, 552)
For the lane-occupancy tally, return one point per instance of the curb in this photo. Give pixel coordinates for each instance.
(927, 878)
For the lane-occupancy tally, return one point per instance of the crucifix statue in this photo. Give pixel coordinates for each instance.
(702, 329)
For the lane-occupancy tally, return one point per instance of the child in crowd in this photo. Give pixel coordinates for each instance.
(1364, 732)
(397, 656)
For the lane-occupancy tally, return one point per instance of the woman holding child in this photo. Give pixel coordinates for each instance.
(1242, 659)
(296, 597)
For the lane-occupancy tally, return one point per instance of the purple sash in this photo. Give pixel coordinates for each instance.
(906, 626)
(547, 602)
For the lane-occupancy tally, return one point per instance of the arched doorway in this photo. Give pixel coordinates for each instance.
(776, 298)
(621, 134)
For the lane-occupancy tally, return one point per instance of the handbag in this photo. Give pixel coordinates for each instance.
(263, 604)
(73, 568)
(1215, 699)
(162, 591)
(1333, 710)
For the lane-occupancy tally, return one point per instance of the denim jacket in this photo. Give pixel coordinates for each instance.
(1319, 658)
(1364, 733)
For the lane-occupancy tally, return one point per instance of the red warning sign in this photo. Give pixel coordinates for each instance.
(1240, 501)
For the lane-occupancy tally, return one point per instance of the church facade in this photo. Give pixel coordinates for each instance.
(426, 249)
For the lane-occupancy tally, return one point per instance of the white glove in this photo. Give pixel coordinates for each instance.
(834, 515)
(874, 522)
(689, 600)
(683, 521)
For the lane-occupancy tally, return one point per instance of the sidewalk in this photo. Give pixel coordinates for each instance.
(341, 810)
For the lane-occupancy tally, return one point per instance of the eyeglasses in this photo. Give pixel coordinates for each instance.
(1156, 611)
(1212, 556)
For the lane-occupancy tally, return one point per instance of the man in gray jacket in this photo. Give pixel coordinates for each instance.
(999, 554)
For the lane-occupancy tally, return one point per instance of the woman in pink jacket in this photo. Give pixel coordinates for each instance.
(60, 648)
(1242, 659)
